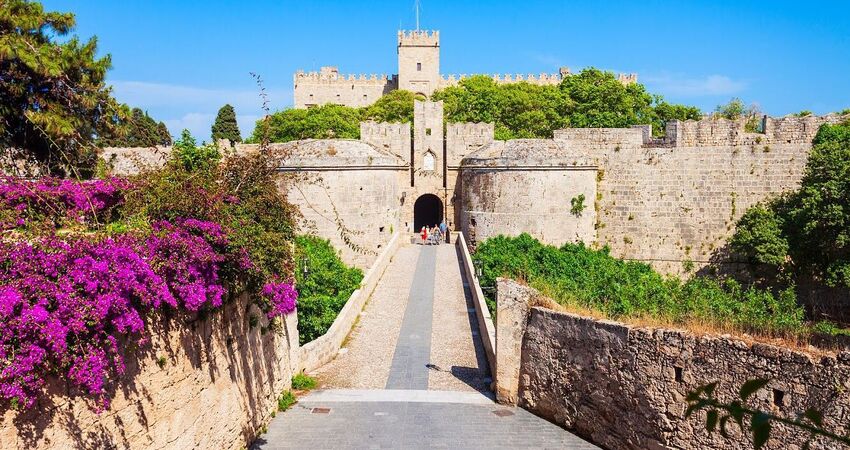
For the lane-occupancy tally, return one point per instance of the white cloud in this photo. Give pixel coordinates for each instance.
(678, 85)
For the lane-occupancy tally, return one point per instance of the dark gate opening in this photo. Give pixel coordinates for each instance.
(427, 211)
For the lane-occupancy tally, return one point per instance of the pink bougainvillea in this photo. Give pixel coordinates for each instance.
(66, 302)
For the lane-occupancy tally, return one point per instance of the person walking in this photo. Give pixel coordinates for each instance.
(443, 230)
(424, 234)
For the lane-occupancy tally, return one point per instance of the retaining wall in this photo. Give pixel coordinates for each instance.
(624, 386)
(216, 389)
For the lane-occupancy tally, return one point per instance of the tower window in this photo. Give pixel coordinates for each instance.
(429, 161)
(418, 67)
(427, 132)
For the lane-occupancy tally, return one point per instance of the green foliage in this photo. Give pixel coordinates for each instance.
(759, 237)
(518, 110)
(760, 425)
(591, 98)
(397, 106)
(303, 382)
(665, 112)
(736, 109)
(286, 400)
(240, 193)
(577, 205)
(809, 227)
(138, 130)
(225, 126)
(577, 276)
(324, 288)
(320, 122)
(187, 152)
(53, 98)
(804, 113)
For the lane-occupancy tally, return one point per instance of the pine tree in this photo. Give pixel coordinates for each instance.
(225, 126)
(54, 101)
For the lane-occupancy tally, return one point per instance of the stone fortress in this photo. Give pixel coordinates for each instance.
(671, 201)
(418, 72)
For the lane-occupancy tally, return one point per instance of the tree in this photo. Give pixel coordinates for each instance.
(137, 130)
(163, 133)
(53, 98)
(193, 158)
(397, 106)
(665, 112)
(597, 99)
(811, 226)
(321, 122)
(225, 126)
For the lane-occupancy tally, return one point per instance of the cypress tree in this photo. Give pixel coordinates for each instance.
(164, 135)
(225, 126)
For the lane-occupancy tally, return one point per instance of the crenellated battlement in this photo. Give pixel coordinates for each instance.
(713, 131)
(469, 130)
(419, 38)
(543, 79)
(370, 129)
(627, 78)
(330, 75)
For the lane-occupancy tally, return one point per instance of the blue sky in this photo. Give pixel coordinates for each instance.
(182, 60)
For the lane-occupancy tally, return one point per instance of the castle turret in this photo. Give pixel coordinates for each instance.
(419, 61)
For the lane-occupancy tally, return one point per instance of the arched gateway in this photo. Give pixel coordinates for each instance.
(427, 211)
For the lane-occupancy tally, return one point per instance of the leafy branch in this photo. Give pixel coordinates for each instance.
(760, 423)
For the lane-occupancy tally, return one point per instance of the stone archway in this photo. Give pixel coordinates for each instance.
(427, 211)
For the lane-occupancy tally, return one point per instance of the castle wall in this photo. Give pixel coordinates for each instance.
(329, 87)
(624, 386)
(511, 201)
(210, 383)
(669, 204)
(358, 210)
(392, 137)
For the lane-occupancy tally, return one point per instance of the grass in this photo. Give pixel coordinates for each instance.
(303, 382)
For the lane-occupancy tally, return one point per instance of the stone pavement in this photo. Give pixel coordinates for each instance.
(413, 374)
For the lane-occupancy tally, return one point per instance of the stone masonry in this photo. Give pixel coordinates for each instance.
(203, 383)
(418, 72)
(624, 386)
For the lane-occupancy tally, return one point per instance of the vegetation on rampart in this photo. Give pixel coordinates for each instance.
(805, 232)
(590, 98)
(586, 279)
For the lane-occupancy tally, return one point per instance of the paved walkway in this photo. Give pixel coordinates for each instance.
(413, 374)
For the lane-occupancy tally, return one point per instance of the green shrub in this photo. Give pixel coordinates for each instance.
(577, 205)
(286, 400)
(303, 382)
(324, 288)
(577, 276)
(193, 158)
(808, 230)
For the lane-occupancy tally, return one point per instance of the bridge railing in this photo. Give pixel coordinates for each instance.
(486, 327)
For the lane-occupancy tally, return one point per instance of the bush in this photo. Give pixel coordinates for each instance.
(325, 287)
(808, 230)
(86, 264)
(580, 277)
(303, 382)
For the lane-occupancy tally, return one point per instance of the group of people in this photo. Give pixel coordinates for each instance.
(435, 235)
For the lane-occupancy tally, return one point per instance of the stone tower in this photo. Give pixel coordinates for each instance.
(419, 61)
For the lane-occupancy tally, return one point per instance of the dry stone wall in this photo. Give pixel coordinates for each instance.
(624, 387)
(207, 383)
